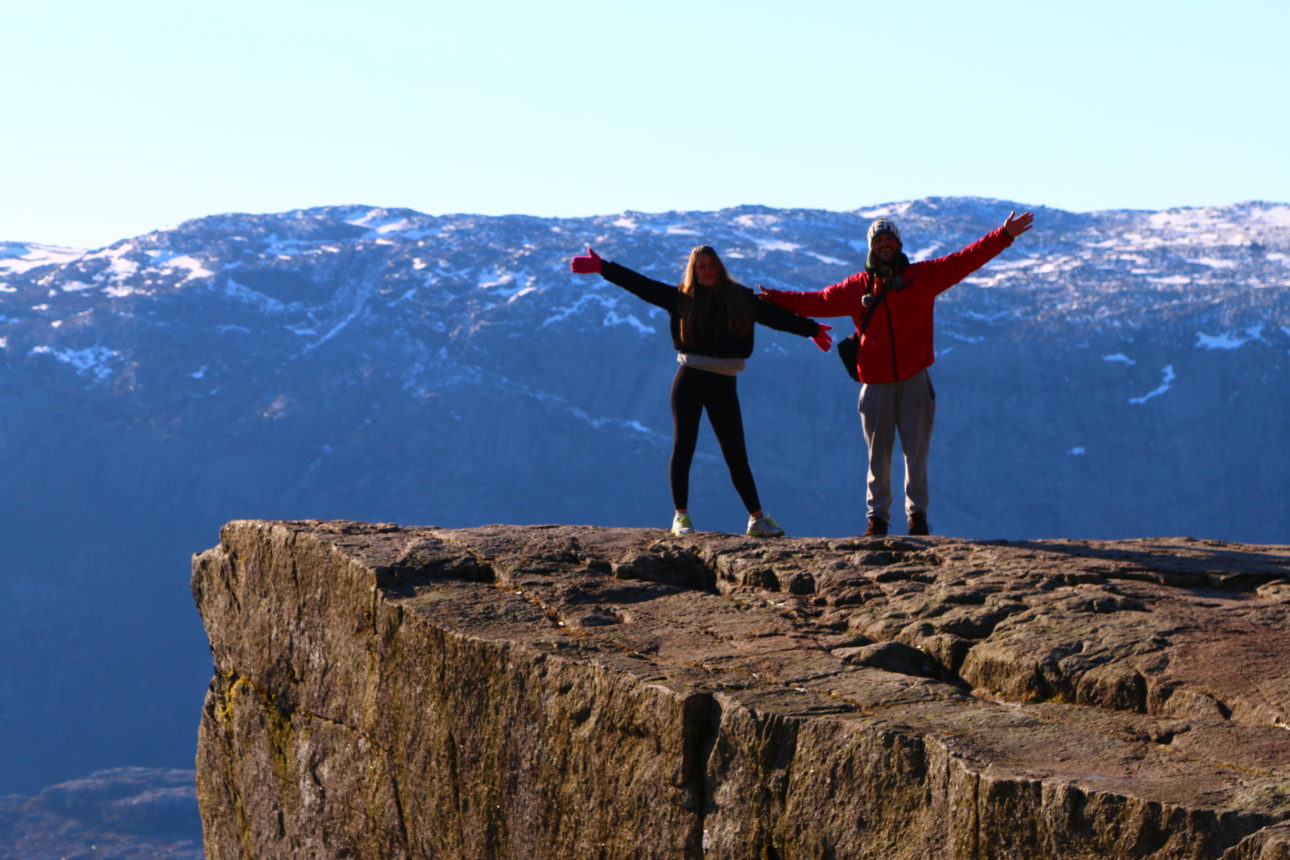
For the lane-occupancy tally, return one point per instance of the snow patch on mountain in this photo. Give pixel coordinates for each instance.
(1222, 341)
(888, 210)
(122, 267)
(991, 318)
(21, 258)
(119, 263)
(1199, 218)
(195, 267)
(254, 298)
(613, 318)
(776, 245)
(494, 278)
(94, 361)
(624, 423)
(756, 221)
(1057, 265)
(1144, 242)
(1165, 385)
(664, 228)
(336, 329)
(582, 415)
(1274, 216)
(1006, 264)
(507, 285)
(382, 223)
(1229, 340)
(402, 226)
(579, 306)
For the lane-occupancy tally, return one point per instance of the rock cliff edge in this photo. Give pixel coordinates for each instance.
(570, 692)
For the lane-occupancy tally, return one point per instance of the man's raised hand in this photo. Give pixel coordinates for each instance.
(1014, 226)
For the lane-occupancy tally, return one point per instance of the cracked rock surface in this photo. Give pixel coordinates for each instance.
(571, 691)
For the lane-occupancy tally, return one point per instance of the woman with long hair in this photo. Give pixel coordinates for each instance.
(712, 319)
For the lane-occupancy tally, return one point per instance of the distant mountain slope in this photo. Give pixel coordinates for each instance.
(1113, 374)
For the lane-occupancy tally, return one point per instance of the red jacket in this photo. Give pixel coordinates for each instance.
(898, 340)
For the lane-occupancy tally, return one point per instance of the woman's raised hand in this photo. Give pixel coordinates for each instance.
(588, 265)
(822, 338)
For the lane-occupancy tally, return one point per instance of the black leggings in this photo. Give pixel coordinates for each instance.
(693, 391)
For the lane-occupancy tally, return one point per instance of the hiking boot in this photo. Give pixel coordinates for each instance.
(764, 526)
(681, 525)
(877, 527)
(918, 524)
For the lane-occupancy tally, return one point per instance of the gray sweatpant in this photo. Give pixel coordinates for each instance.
(909, 408)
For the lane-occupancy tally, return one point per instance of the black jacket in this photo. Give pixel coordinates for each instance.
(716, 340)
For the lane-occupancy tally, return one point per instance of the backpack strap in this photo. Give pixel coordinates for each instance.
(849, 346)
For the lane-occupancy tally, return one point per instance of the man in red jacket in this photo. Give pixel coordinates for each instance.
(891, 303)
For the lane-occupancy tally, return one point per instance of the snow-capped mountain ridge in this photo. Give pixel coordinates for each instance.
(1077, 264)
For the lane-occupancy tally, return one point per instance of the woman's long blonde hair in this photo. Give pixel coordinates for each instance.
(703, 307)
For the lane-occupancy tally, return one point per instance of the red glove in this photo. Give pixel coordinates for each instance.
(588, 265)
(822, 338)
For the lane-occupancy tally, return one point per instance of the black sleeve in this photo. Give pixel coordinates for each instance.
(776, 317)
(652, 291)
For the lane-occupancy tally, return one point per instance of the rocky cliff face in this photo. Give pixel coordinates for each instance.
(559, 691)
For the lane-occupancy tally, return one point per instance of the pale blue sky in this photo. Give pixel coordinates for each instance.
(124, 117)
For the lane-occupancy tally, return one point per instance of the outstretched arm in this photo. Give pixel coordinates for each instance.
(837, 300)
(652, 291)
(772, 315)
(947, 271)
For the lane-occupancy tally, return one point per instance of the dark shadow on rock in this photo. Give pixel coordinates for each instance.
(1184, 563)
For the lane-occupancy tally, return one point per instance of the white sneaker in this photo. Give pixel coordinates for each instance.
(764, 526)
(681, 525)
